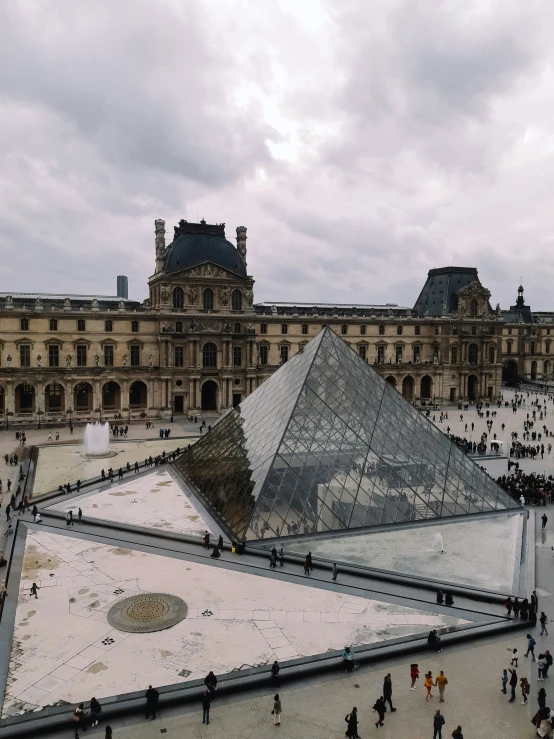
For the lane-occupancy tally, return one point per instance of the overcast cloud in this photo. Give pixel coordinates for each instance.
(361, 143)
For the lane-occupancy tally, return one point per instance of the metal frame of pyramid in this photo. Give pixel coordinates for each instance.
(326, 444)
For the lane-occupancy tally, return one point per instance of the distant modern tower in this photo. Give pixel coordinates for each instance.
(122, 287)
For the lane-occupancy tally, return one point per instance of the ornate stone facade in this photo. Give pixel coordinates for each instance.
(199, 342)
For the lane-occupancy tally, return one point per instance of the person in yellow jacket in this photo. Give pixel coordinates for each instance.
(428, 685)
(441, 682)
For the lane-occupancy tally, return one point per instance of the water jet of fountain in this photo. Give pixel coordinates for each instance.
(97, 440)
(438, 543)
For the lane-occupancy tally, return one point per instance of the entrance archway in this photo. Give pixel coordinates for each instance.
(546, 368)
(408, 388)
(111, 396)
(138, 395)
(426, 387)
(534, 369)
(82, 397)
(391, 380)
(25, 398)
(54, 398)
(209, 396)
(510, 374)
(472, 387)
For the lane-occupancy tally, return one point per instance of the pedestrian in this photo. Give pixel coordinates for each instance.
(515, 657)
(380, 708)
(530, 646)
(275, 669)
(95, 711)
(347, 659)
(541, 664)
(544, 519)
(152, 697)
(277, 709)
(273, 558)
(310, 564)
(206, 701)
(335, 571)
(215, 553)
(504, 681)
(206, 540)
(387, 691)
(438, 723)
(441, 682)
(414, 675)
(508, 605)
(352, 721)
(428, 685)
(69, 519)
(79, 719)
(34, 590)
(8, 509)
(513, 684)
(548, 658)
(541, 698)
(108, 734)
(210, 681)
(80, 515)
(525, 690)
(534, 601)
(307, 566)
(220, 543)
(3, 592)
(457, 733)
(281, 556)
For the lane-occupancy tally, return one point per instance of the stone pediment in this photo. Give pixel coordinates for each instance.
(210, 270)
(474, 290)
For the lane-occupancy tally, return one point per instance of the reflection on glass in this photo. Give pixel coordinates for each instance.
(327, 444)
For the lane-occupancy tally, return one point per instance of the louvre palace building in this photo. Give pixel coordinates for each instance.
(201, 343)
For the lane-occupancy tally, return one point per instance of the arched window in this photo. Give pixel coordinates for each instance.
(344, 329)
(473, 307)
(305, 329)
(381, 330)
(24, 324)
(81, 325)
(53, 324)
(209, 355)
(236, 328)
(179, 327)
(108, 326)
(208, 299)
(236, 300)
(134, 327)
(399, 330)
(473, 354)
(178, 298)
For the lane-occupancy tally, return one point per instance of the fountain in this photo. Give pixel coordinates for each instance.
(97, 441)
(437, 545)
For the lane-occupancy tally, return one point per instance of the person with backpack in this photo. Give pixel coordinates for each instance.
(380, 708)
(543, 621)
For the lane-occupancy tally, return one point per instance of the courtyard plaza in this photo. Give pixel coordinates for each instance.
(313, 707)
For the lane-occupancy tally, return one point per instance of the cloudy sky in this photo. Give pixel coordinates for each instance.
(361, 143)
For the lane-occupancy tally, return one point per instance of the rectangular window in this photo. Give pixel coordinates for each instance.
(509, 332)
(263, 328)
(81, 355)
(179, 356)
(135, 356)
(532, 347)
(108, 355)
(380, 354)
(237, 356)
(305, 329)
(417, 353)
(454, 330)
(53, 355)
(437, 330)
(284, 328)
(25, 355)
(363, 329)
(284, 353)
(399, 354)
(362, 351)
(509, 347)
(417, 330)
(454, 355)
(263, 354)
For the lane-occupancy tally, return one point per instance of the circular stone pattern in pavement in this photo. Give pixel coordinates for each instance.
(147, 612)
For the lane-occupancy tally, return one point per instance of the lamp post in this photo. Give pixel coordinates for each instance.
(171, 405)
(70, 414)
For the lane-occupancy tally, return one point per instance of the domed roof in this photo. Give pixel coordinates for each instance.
(196, 243)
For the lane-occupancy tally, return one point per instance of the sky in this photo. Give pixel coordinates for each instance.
(361, 143)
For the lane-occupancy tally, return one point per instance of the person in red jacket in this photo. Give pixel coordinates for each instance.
(414, 674)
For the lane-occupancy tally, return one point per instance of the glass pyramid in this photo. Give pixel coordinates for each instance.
(326, 444)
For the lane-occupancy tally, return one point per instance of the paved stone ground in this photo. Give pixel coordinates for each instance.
(315, 709)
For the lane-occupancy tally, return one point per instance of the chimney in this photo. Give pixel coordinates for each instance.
(122, 287)
(159, 229)
(241, 242)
